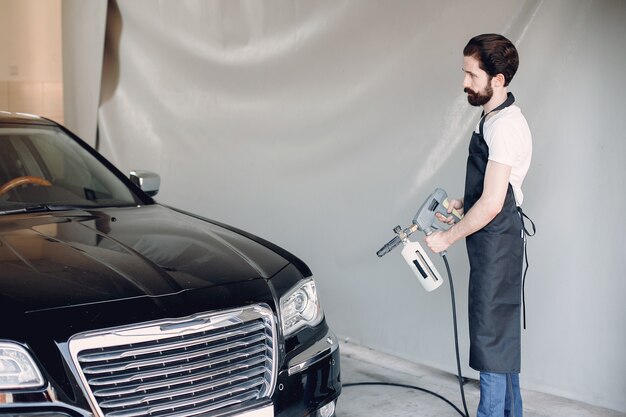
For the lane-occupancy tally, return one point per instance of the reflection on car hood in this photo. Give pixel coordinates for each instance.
(61, 259)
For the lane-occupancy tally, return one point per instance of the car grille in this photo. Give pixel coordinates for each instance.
(181, 367)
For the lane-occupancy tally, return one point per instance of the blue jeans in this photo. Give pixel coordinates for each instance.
(499, 395)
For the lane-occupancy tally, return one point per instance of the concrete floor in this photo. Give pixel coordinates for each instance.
(360, 364)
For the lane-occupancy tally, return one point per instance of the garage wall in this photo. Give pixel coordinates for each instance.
(30, 57)
(84, 25)
(322, 125)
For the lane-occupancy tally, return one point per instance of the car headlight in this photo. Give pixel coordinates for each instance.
(17, 368)
(300, 307)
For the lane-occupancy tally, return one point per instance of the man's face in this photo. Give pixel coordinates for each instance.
(476, 82)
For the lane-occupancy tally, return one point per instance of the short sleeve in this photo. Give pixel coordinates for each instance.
(505, 141)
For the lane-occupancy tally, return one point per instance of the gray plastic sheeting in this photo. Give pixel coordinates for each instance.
(321, 125)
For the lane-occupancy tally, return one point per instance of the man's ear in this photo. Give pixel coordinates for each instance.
(498, 80)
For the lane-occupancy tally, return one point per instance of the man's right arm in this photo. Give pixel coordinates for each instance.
(489, 204)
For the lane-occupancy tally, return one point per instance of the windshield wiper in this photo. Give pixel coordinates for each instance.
(36, 208)
(29, 209)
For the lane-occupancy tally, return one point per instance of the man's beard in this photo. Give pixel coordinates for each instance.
(478, 99)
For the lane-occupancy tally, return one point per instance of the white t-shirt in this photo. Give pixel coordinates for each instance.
(510, 143)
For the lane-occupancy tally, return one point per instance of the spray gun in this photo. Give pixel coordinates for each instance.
(413, 253)
(420, 263)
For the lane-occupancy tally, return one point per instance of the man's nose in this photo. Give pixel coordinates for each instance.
(466, 82)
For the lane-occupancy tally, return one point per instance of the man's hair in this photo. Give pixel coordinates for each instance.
(495, 54)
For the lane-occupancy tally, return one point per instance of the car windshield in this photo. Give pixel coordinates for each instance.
(42, 167)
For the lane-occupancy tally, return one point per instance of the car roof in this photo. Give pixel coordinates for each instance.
(23, 118)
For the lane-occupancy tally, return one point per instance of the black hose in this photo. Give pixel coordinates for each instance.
(458, 359)
(456, 335)
(392, 384)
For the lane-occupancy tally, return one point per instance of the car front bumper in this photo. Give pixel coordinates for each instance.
(311, 380)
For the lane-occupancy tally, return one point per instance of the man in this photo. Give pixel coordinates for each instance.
(499, 156)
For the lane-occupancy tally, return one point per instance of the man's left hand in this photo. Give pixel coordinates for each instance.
(437, 241)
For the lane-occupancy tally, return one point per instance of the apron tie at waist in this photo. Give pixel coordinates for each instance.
(524, 216)
(525, 233)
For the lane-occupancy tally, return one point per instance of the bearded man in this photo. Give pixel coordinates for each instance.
(499, 157)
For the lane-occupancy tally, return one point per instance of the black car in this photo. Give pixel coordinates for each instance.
(114, 305)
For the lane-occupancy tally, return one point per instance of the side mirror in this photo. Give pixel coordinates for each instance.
(148, 181)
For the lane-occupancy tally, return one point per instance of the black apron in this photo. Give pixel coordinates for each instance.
(496, 259)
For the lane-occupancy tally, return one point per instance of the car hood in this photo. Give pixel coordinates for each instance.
(61, 259)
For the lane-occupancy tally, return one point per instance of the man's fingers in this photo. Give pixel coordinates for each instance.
(444, 219)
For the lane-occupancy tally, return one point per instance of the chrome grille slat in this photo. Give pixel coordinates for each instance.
(192, 411)
(160, 360)
(121, 354)
(177, 370)
(207, 389)
(180, 367)
(173, 382)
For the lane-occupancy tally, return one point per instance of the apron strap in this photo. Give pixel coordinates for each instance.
(510, 99)
(524, 216)
(525, 234)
